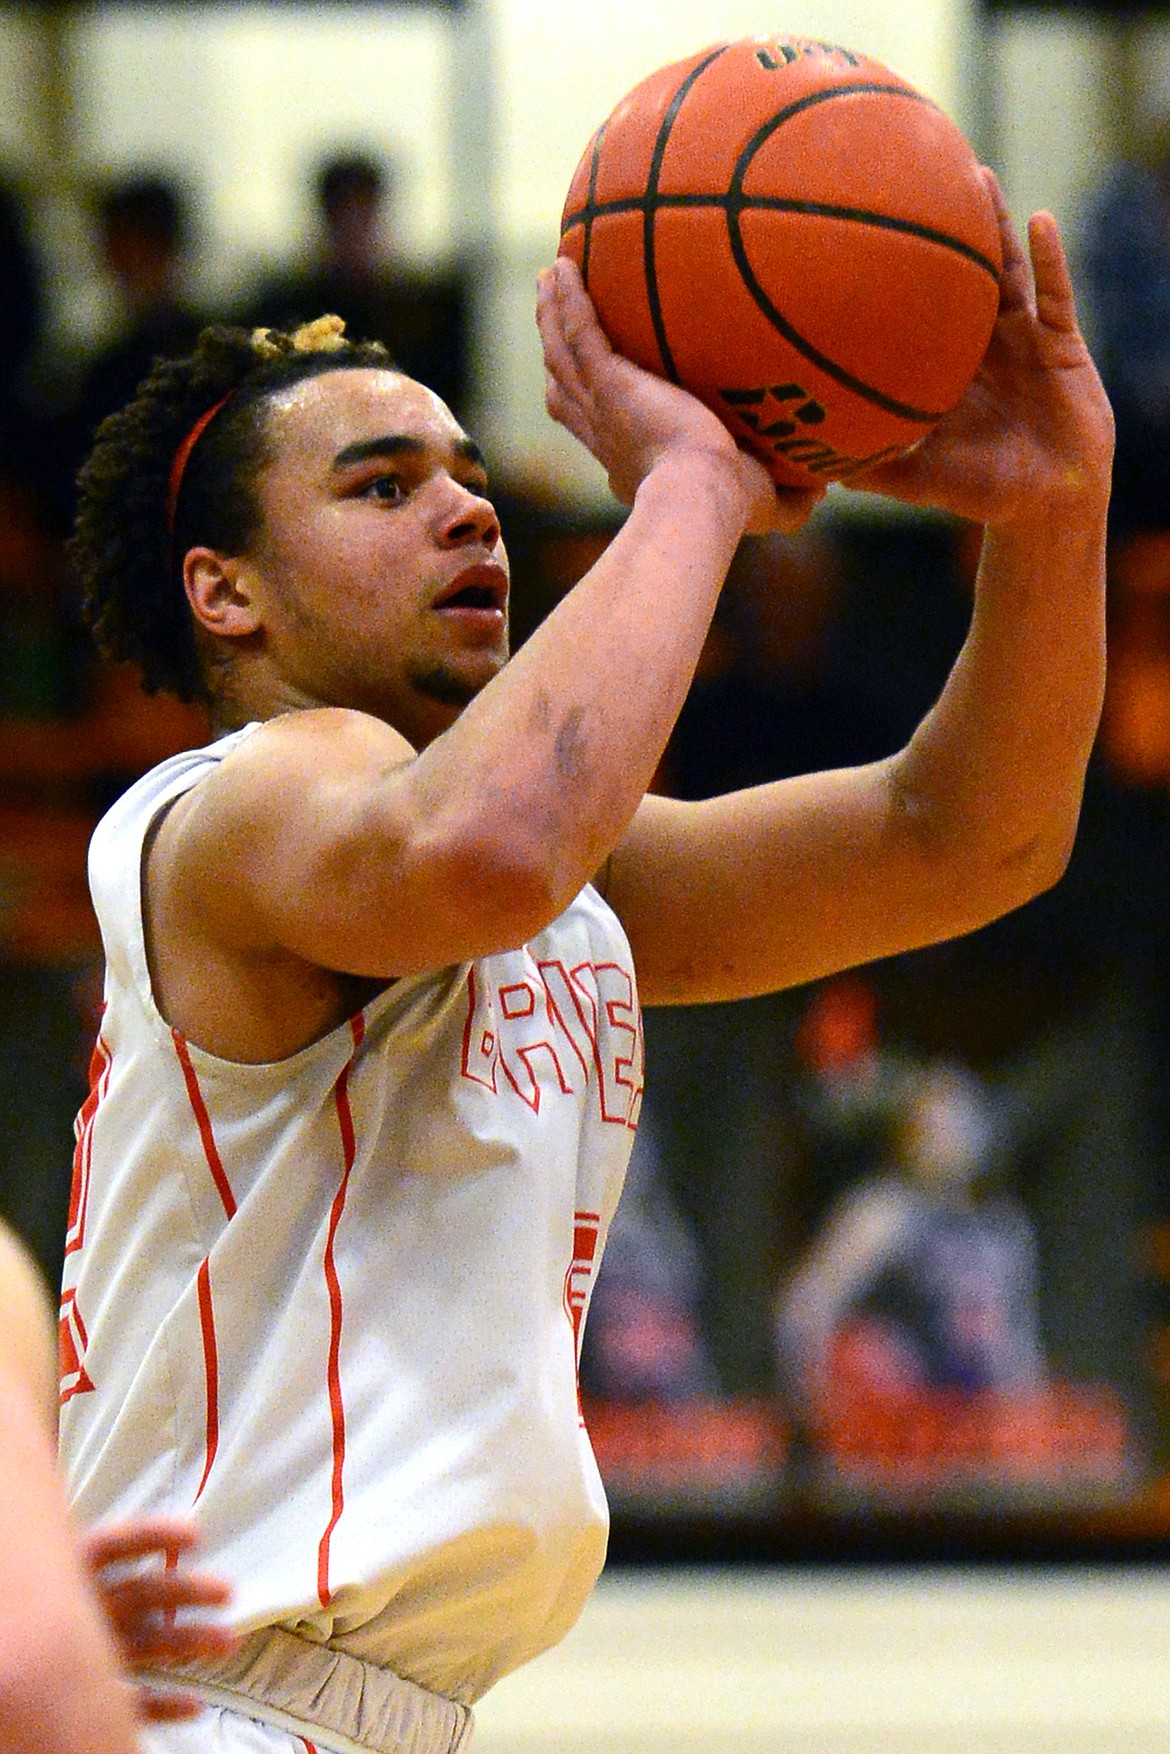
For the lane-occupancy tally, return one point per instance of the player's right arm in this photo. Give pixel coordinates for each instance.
(325, 838)
(60, 1691)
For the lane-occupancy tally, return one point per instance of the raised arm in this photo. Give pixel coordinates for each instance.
(786, 883)
(326, 838)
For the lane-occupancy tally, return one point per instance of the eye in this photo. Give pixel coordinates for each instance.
(389, 488)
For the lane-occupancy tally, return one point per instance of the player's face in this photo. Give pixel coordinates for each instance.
(384, 577)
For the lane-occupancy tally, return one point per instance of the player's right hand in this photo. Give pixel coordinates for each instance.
(630, 419)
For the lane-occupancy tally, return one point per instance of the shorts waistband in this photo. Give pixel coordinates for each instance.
(326, 1696)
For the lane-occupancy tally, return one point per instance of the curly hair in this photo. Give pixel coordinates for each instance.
(129, 539)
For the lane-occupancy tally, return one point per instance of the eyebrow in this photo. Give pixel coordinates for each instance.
(402, 445)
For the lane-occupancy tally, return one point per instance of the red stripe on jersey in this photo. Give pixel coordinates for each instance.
(203, 1121)
(336, 1404)
(100, 1064)
(310, 1747)
(211, 1369)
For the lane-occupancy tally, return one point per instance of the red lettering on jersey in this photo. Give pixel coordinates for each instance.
(586, 1228)
(544, 1035)
(608, 991)
(564, 1008)
(480, 1045)
(528, 1085)
(517, 1000)
(100, 1064)
(72, 1341)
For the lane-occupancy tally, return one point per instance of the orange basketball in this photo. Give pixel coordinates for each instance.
(800, 238)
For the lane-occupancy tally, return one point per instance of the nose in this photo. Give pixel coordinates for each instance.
(465, 515)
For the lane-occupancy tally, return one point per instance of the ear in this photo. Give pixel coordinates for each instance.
(219, 591)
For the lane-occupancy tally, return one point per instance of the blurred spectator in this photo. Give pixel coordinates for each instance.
(925, 1268)
(22, 319)
(143, 231)
(642, 1341)
(357, 274)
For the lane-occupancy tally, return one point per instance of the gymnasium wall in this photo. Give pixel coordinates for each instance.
(486, 107)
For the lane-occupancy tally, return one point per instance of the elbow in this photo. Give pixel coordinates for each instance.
(1008, 876)
(505, 887)
(994, 864)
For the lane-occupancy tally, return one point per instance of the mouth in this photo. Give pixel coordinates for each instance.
(478, 588)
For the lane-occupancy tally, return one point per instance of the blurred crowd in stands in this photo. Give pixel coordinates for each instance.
(776, 1196)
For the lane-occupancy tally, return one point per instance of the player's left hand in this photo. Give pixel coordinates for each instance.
(142, 1602)
(630, 419)
(1034, 432)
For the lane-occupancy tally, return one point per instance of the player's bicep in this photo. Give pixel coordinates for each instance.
(319, 838)
(289, 845)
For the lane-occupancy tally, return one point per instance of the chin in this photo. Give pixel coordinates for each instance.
(446, 686)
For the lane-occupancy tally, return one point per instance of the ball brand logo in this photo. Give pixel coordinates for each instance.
(767, 414)
(785, 51)
(745, 401)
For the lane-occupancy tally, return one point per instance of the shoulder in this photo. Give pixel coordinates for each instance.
(265, 816)
(294, 756)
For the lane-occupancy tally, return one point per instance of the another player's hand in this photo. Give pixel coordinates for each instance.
(1034, 431)
(141, 1604)
(630, 419)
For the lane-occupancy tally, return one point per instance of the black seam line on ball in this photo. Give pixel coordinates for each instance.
(651, 204)
(591, 201)
(784, 204)
(804, 347)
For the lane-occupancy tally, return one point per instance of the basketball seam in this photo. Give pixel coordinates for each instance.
(868, 392)
(590, 201)
(659, 153)
(734, 203)
(782, 204)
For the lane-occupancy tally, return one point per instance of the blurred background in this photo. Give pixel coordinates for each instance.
(892, 1276)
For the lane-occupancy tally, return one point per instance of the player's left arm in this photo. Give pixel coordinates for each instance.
(789, 882)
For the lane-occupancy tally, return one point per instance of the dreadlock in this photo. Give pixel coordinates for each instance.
(140, 511)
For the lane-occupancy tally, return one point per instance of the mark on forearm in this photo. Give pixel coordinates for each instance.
(571, 746)
(540, 713)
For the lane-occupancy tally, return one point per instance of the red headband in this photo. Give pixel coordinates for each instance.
(182, 455)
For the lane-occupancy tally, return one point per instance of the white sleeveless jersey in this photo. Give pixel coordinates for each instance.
(332, 1306)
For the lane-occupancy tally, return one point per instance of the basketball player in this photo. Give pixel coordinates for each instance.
(370, 1060)
(62, 1685)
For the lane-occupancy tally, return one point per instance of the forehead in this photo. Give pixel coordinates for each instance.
(313, 422)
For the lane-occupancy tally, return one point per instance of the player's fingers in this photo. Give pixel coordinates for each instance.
(156, 1707)
(121, 1543)
(130, 1601)
(901, 478)
(793, 506)
(185, 1642)
(1055, 302)
(566, 410)
(563, 381)
(577, 320)
(1015, 282)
